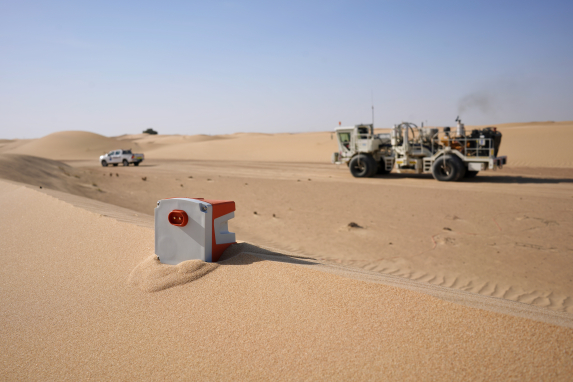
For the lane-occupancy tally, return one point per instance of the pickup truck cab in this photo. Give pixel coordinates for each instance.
(124, 157)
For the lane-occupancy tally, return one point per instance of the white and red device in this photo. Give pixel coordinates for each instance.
(192, 229)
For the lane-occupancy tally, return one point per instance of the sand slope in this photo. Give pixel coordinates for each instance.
(42, 172)
(7, 145)
(70, 313)
(307, 147)
(151, 142)
(503, 236)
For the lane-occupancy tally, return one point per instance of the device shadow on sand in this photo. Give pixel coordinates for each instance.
(230, 256)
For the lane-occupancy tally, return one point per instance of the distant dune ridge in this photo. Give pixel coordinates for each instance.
(69, 145)
(536, 144)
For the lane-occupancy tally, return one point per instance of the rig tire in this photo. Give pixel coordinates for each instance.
(125, 163)
(136, 163)
(448, 168)
(104, 163)
(362, 166)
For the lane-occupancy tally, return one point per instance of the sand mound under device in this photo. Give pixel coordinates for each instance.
(192, 229)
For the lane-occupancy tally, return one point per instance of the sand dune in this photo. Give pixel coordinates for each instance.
(70, 145)
(69, 312)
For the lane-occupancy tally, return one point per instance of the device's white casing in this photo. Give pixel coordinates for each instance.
(194, 241)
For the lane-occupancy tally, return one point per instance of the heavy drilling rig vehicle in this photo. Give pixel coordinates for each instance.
(408, 148)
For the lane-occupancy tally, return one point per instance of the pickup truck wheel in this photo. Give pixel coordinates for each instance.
(104, 163)
(136, 163)
(448, 168)
(362, 166)
(125, 162)
(470, 174)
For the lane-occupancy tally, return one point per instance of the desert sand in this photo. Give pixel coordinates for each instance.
(468, 280)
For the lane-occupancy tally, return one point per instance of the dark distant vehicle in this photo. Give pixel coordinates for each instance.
(125, 157)
(150, 131)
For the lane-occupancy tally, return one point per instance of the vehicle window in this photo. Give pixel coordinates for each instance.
(127, 151)
(110, 153)
(118, 152)
(344, 137)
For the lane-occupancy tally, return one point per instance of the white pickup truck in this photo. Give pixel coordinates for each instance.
(116, 157)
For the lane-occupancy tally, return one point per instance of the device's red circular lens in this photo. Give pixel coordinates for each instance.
(178, 218)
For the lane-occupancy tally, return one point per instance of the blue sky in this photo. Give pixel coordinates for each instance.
(185, 67)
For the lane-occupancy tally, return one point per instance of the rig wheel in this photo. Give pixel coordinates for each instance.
(104, 163)
(125, 162)
(448, 168)
(363, 166)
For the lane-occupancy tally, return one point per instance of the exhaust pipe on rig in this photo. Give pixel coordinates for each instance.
(460, 129)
